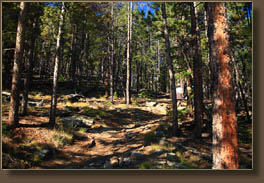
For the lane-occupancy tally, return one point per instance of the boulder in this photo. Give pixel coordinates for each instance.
(78, 121)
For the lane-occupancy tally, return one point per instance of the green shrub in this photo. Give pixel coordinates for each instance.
(61, 78)
(145, 94)
(146, 165)
(115, 95)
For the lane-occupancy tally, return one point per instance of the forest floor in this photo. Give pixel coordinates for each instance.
(115, 136)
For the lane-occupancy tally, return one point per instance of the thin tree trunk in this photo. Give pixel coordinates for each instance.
(16, 78)
(112, 56)
(225, 136)
(73, 54)
(129, 36)
(171, 72)
(29, 70)
(158, 60)
(197, 76)
(56, 68)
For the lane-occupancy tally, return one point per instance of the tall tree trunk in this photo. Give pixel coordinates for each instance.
(29, 69)
(16, 78)
(171, 72)
(56, 68)
(112, 55)
(225, 137)
(197, 76)
(158, 60)
(129, 36)
(73, 54)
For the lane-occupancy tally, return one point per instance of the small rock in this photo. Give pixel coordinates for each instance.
(137, 155)
(171, 156)
(107, 165)
(162, 141)
(161, 162)
(125, 162)
(92, 144)
(114, 161)
(45, 154)
(118, 110)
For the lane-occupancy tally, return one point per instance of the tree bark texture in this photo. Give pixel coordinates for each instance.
(197, 75)
(171, 72)
(16, 78)
(56, 68)
(225, 140)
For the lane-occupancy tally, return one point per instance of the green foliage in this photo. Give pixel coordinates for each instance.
(145, 94)
(108, 103)
(61, 78)
(98, 113)
(146, 165)
(61, 138)
(115, 95)
(134, 101)
(5, 131)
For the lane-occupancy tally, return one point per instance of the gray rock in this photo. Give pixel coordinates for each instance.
(71, 122)
(77, 121)
(125, 162)
(161, 162)
(45, 154)
(159, 133)
(88, 121)
(137, 155)
(171, 156)
(107, 165)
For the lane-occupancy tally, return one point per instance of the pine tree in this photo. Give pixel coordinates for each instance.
(56, 69)
(225, 137)
(16, 78)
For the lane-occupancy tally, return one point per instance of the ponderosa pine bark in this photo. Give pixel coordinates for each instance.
(197, 76)
(13, 120)
(129, 36)
(225, 137)
(56, 69)
(171, 72)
